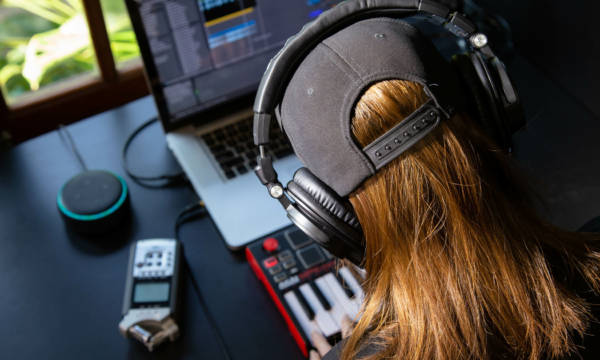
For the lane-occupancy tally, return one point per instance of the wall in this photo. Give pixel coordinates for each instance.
(561, 39)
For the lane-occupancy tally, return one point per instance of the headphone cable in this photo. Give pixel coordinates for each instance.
(191, 212)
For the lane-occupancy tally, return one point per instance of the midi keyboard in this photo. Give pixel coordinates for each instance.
(306, 284)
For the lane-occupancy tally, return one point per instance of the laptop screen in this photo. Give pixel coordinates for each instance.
(202, 54)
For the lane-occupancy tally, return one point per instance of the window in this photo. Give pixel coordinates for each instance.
(63, 60)
(42, 44)
(120, 33)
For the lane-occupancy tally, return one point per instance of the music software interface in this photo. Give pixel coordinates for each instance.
(210, 51)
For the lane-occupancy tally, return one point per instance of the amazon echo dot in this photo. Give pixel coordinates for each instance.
(94, 202)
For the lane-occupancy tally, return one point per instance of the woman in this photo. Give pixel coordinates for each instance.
(458, 264)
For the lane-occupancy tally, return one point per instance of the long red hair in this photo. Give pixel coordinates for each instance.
(458, 265)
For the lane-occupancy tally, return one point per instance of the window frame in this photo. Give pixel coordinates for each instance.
(80, 97)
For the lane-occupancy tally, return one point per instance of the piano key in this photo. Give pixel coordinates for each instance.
(322, 299)
(352, 282)
(338, 310)
(351, 306)
(323, 319)
(307, 325)
(347, 289)
(361, 273)
(307, 309)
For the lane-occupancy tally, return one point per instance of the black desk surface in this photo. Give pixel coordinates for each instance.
(61, 296)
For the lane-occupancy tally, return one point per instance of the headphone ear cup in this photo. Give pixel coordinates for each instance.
(323, 199)
(481, 97)
(331, 214)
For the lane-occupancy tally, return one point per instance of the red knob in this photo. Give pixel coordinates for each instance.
(270, 244)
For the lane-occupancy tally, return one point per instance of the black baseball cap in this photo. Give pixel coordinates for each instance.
(318, 104)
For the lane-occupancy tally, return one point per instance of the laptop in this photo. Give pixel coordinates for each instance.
(203, 60)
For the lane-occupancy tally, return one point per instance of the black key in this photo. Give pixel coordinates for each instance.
(223, 155)
(320, 296)
(226, 168)
(251, 154)
(229, 174)
(345, 286)
(307, 309)
(240, 148)
(208, 139)
(230, 128)
(232, 161)
(230, 131)
(243, 127)
(242, 169)
(217, 148)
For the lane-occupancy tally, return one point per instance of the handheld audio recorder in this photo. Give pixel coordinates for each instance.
(151, 290)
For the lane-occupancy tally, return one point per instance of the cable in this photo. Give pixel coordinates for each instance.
(188, 213)
(65, 136)
(181, 217)
(149, 181)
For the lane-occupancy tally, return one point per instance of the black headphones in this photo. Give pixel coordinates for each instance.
(313, 206)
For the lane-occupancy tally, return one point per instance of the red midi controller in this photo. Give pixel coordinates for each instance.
(308, 288)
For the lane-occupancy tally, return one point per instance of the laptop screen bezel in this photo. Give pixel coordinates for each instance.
(242, 100)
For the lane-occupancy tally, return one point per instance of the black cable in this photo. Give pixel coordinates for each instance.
(188, 213)
(159, 181)
(65, 136)
(190, 209)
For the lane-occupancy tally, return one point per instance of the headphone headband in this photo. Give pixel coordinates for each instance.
(282, 66)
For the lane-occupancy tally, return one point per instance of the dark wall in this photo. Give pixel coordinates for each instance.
(561, 38)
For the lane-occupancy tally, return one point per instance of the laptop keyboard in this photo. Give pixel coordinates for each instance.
(233, 147)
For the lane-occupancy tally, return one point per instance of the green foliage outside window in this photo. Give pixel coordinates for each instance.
(45, 41)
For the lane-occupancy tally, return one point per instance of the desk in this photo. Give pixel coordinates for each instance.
(60, 297)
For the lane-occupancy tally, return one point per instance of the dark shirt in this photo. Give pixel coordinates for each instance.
(590, 344)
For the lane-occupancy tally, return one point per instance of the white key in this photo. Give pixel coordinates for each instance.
(307, 325)
(351, 281)
(350, 305)
(324, 320)
(362, 272)
(337, 310)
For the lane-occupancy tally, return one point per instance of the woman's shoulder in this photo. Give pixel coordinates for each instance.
(334, 353)
(367, 349)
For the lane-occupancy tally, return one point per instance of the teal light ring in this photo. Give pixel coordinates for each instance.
(97, 216)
